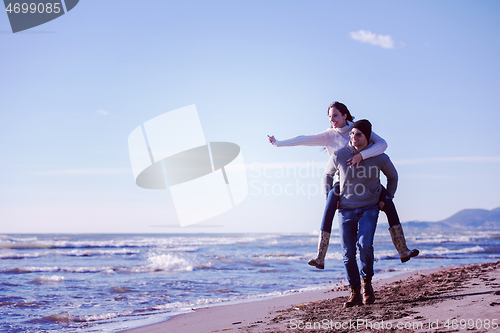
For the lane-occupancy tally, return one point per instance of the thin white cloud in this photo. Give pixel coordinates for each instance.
(262, 166)
(364, 36)
(84, 172)
(102, 112)
(283, 170)
(465, 159)
(257, 166)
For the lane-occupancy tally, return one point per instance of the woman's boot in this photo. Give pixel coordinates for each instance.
(324, 240)
(355, 298)
(398, 239)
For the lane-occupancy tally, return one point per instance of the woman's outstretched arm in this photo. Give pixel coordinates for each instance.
(320, 139)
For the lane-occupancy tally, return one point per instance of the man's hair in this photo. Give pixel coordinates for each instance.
(364, 126)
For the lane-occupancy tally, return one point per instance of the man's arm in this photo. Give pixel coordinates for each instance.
(330, 171)
(378, 148)
(327, 183)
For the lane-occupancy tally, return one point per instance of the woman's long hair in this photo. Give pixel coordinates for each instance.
(342, 109)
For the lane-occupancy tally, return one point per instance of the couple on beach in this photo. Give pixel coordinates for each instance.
(352, 186)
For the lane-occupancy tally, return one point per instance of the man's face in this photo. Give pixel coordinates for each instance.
(358, 139)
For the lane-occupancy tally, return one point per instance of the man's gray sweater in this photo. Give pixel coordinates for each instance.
(360, 186)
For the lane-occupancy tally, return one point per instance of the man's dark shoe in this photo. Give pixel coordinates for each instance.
(355, 298)
(368, 293)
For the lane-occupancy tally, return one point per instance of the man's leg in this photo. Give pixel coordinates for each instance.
(366, 233)
(348, 223)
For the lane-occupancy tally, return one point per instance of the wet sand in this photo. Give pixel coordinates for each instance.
(461, 299)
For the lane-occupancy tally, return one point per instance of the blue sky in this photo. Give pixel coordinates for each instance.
(425, 73)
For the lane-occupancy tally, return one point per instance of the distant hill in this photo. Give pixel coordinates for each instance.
(464, 220)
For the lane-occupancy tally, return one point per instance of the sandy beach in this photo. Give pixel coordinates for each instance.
(457, 299)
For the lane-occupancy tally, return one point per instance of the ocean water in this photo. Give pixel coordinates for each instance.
(107, 283)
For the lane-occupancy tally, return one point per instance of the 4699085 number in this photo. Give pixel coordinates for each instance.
(471, 324)
(34, 8)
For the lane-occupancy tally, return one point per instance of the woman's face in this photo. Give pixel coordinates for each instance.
(336, 118)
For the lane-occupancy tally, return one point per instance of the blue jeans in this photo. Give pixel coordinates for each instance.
(330, 208)
(357, 228)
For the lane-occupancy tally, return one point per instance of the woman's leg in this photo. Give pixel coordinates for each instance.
(389, 208)
(326, 227)
(330, 208)
(395, 227)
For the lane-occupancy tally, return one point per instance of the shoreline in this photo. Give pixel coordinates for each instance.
(260, 315)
